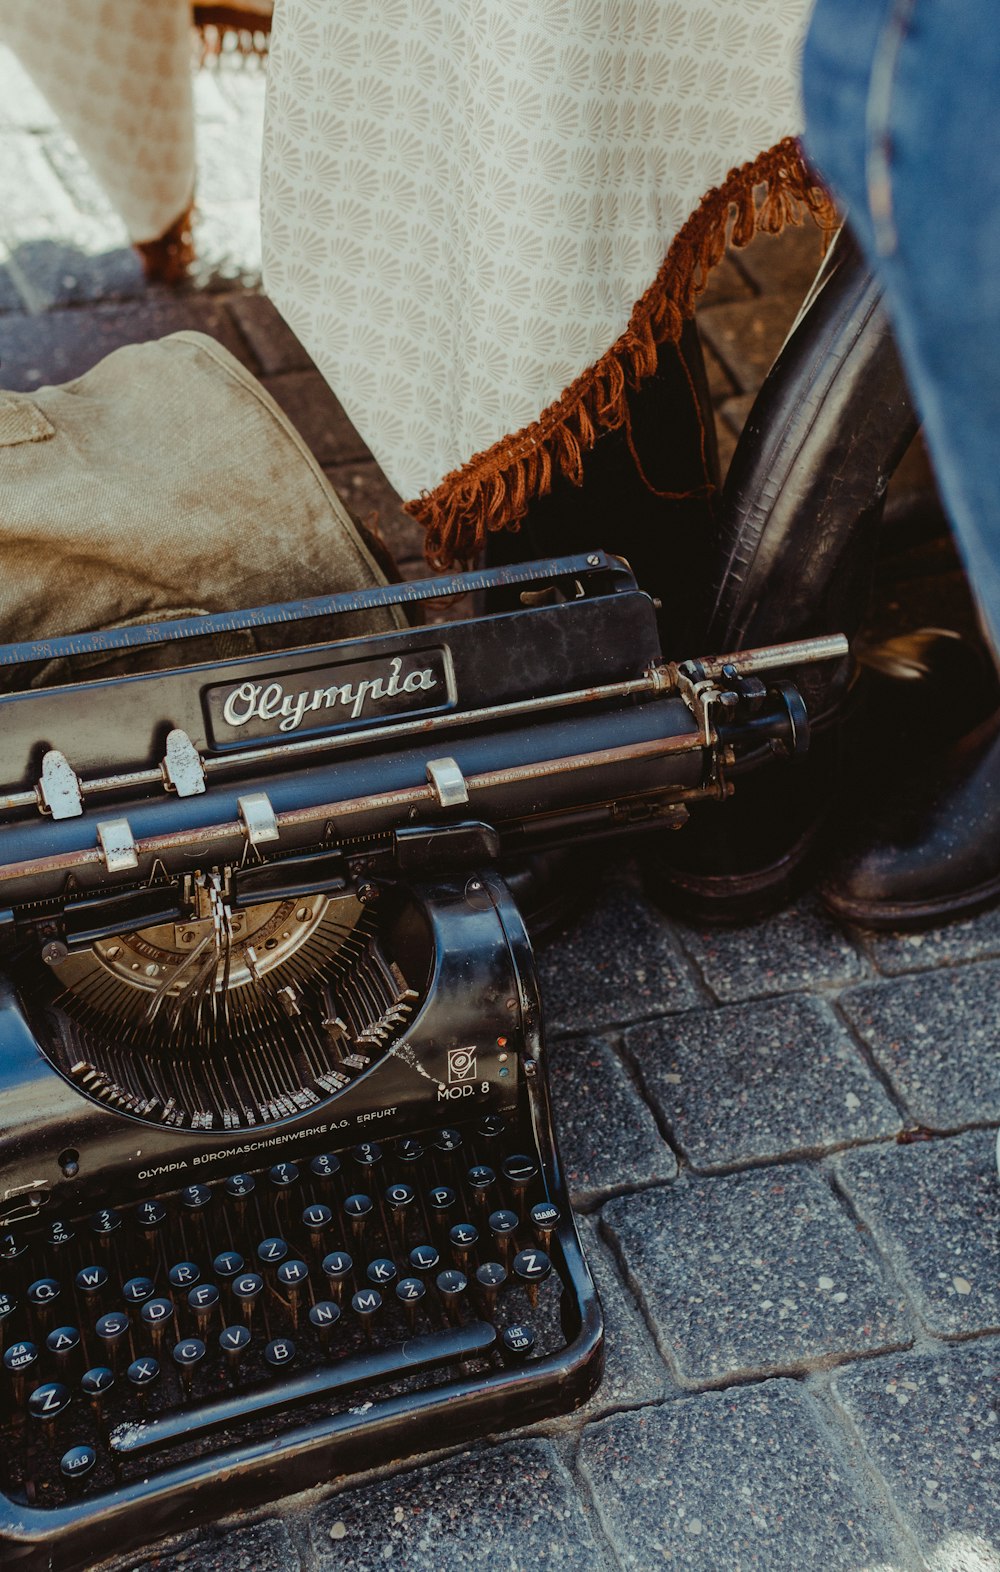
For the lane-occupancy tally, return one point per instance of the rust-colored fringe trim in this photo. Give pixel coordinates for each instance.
(166, 261)
(230, 31)
(494, 489)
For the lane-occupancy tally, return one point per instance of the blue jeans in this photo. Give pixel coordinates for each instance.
(902, 105)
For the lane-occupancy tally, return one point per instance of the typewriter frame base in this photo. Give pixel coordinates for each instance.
(75, 1536)
(67, 1538)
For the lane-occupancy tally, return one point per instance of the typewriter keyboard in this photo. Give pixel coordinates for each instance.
(158, 1328)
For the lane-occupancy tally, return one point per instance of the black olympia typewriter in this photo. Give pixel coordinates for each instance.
(279, 1192)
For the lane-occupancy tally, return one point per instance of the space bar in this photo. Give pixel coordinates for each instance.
(382, 1364)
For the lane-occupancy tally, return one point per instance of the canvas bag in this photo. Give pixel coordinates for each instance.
(165, 481)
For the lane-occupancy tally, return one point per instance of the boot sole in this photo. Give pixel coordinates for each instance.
(901, 915)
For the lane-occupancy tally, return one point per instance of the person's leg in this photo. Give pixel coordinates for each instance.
(901, 118)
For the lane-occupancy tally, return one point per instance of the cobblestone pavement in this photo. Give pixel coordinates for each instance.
(802, 1304)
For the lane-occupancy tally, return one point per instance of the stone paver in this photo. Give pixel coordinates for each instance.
(617, 963)
(934, 1209)
(784, 265)
(312, 407)
(797, 948)
(759, 1081)
(59, 346)
(975, 939)
(257, 1547)
(509, 1508)
(633, 1370)
(370, 497)
(930, 1425)
(738, 1480)
(272, 342)
(753, 1274)
(746, 335)
(607, 1136)
(937, 1037)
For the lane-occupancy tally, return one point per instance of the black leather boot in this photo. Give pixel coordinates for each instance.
(794, 558)
(934, 855)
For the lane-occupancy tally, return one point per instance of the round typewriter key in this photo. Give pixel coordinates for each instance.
(400, 1196)
(409, 1149)
(480, 1177)
(519, 1170)
(451, 1285)
(49, 1400)
(424, 1258)
(442, 1199)
(105, 1223)
(95, 1385)
(532, 1267)
(464, 1237)
(95, 1382)
(189, 1352)
(44, 1292)
(358, 1210)
(544, 1217)
(316, 1219)
(202, 1302)
(8, 1304)
(184, 1274)
(234, 1342)
(188, 1355)
(156, 1315)
(491, 1125)
(272, 1251)
(381, 1272)
(503, 1221)
(326, 1166)
(20, 1360)
(227, 1264)
(60, 1234)
(279, 1352)
(195, 1197)
(11, 1247)
(367, 1154)
(517, 1341)
(366, 1304)
(150, 1215)
(336, 1268)
(143, 1373)
(63, 1342)
(323, 1316)
(78, 1462)
(291, 1274)
(490, 1278)
(449, 1140)
(247, 1289)
(112, 1329)
(284, 1175)
(240, 1186)
(91, 1281)
(137, 1290)
(410, 1291)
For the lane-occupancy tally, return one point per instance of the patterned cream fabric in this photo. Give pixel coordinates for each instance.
(463, 199)
(118, 75)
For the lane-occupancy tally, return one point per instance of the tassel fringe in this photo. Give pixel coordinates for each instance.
(494, 490)
(166, 261)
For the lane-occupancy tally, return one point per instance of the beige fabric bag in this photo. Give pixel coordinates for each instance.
(165, 481)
